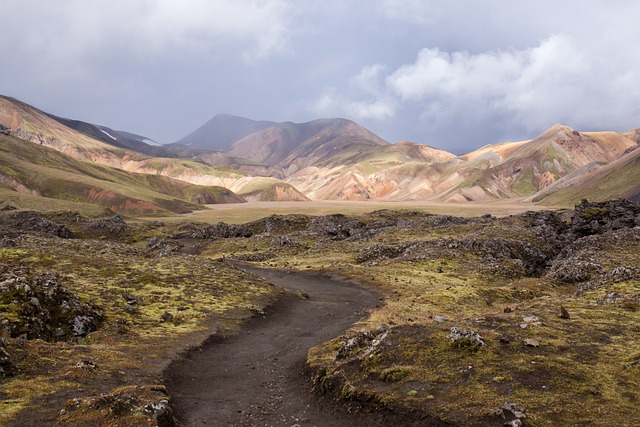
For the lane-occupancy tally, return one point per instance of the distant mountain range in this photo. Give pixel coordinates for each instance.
(234, 159)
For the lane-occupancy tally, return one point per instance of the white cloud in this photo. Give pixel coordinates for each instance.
(564, 78)
(332, 103)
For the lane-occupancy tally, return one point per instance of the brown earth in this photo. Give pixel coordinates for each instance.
(257, 377)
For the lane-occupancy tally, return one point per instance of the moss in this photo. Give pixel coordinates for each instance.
(395, 373)
(525, 184)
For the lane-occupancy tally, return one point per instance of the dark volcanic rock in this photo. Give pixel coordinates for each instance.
(337, 226)
(150, 404)
(34, 222)
(113, 226)
(219, 230)
(597, 217)
(160, 247)
(7, 368)
(378, 252)
(37, 306)
(465, 338)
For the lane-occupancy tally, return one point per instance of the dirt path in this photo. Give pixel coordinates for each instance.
(256, 378)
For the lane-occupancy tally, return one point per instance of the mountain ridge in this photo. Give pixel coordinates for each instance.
(337, 159)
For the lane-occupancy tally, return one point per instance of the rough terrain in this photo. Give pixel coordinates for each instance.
(528, 319)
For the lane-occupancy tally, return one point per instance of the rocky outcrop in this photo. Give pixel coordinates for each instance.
(34, 222)
(219, 230)
(337, 226)
(161, 247)
(596, 218)
(39, 307)
(133, 405)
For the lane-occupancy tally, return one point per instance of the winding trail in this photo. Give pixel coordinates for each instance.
(256, 377)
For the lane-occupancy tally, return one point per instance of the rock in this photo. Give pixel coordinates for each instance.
(595, 218)
(283, 241)
(108, 228)
(532, 342)
(34, 222)
(219, 230)
(7, 368)
(465, 338)
(367, 340)
(82, 325)
(439, 319)
(512, 413)
(7, 242)
(338, 226)
(130, 309)
(564, 314)
(86, 364)
(161, 247)
(161, 412)
(41, 308)
(166, 317)
(532, 320)
(148, 405)
(130, 299)
(572, 271)
(378, 252)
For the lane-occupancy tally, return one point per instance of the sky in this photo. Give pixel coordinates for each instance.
(453, 74)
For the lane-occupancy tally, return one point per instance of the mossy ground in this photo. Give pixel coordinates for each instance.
(585, 369)
(435, 272)
(203, 295)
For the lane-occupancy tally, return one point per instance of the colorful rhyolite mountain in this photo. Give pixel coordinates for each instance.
(329, 159)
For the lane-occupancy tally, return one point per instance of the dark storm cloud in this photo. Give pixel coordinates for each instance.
(454, 74)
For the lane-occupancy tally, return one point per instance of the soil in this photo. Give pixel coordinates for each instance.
(257, 377)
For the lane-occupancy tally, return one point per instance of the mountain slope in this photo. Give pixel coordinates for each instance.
(618, 179)
(32, 125)
(293, 146)
(531, 166)
(336, 159)
(116, 138)
(219, 133)
(43, 172)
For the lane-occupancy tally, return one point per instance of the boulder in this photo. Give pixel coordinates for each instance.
(39, 307)
(466, 339)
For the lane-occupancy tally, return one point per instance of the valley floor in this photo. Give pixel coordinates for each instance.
(252, 211)
(528, 319)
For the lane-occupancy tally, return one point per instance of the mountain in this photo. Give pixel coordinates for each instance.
(525, 168)
(219, 133)
(32, 125)
(328, 159)
(403, 171)
(614, 180)
(31, 172)
(116, 138)
(290, 145)
(267, 190)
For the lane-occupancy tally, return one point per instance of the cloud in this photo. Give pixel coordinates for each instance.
(334, 104)
(412, 11)
(513, 91)
(368, 83)
(76, 30)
